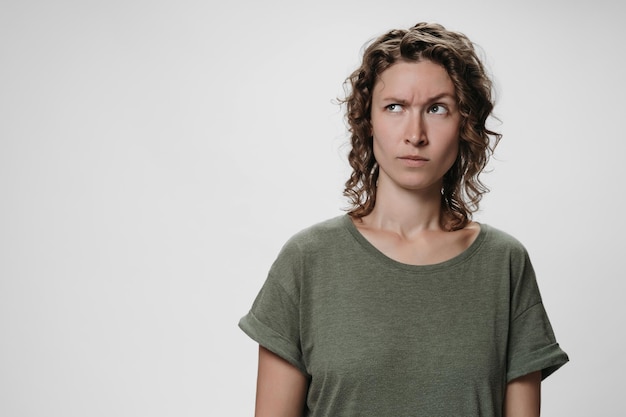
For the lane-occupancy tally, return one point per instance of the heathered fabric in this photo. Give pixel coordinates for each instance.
(381, 338)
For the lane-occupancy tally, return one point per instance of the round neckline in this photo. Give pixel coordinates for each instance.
(386, 260)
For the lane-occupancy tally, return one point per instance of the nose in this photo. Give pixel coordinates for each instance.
(416, 131)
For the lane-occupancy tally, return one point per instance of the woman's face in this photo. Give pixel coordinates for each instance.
(415, 124)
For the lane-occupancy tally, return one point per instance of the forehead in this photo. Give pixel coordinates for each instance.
(421, 79)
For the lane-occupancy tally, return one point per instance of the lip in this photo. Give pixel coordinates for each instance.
(413, 160)
(414, 157)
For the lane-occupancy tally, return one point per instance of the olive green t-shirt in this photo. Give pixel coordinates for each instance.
(378, 338)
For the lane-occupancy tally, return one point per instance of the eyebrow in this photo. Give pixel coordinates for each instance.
(429, 100)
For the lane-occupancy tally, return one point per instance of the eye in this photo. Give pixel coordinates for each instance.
(437, 109)
(394, 108)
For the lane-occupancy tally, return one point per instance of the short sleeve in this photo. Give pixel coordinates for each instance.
(273, 321)
(532, 344)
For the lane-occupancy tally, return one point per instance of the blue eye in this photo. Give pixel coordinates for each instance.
(437, 109)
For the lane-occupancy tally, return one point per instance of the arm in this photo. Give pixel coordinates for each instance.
(523, 396)
(281, 387)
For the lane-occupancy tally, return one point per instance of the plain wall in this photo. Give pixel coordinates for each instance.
(155, 156)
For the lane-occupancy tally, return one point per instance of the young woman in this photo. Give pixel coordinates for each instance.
(405, 306)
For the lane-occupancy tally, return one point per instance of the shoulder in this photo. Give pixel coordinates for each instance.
(311, 247)
(498, 239)
(316, 240)
(501, 248)
(320, 235)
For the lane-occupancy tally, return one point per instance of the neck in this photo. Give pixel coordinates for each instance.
(406, 211)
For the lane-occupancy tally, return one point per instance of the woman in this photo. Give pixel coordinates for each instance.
(405, 306)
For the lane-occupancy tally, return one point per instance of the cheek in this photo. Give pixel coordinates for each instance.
(455, 149)
(377, 148)
(379, 136)
(454, 143)
(452, 153)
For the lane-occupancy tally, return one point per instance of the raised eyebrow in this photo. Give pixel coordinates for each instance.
(442, 95)
(395, 100)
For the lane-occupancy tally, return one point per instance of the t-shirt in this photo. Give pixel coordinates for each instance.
(377, 337)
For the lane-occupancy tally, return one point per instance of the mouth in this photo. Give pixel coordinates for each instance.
(413, 158)
(413, 161)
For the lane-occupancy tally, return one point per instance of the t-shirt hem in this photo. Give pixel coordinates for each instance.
(271, 340)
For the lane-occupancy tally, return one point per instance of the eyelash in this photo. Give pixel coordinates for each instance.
(438, 106)
(391, 109)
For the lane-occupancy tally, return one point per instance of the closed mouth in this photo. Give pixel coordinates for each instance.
(414, 158)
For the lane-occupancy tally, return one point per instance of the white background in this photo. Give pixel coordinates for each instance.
(155, 155)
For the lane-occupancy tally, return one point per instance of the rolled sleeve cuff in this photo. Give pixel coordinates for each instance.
(272, 340)
(547, 360)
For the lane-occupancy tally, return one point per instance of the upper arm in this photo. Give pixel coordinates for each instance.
(281, 387)
(523, 396)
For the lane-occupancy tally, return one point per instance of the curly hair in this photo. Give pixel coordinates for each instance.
(462, 190)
